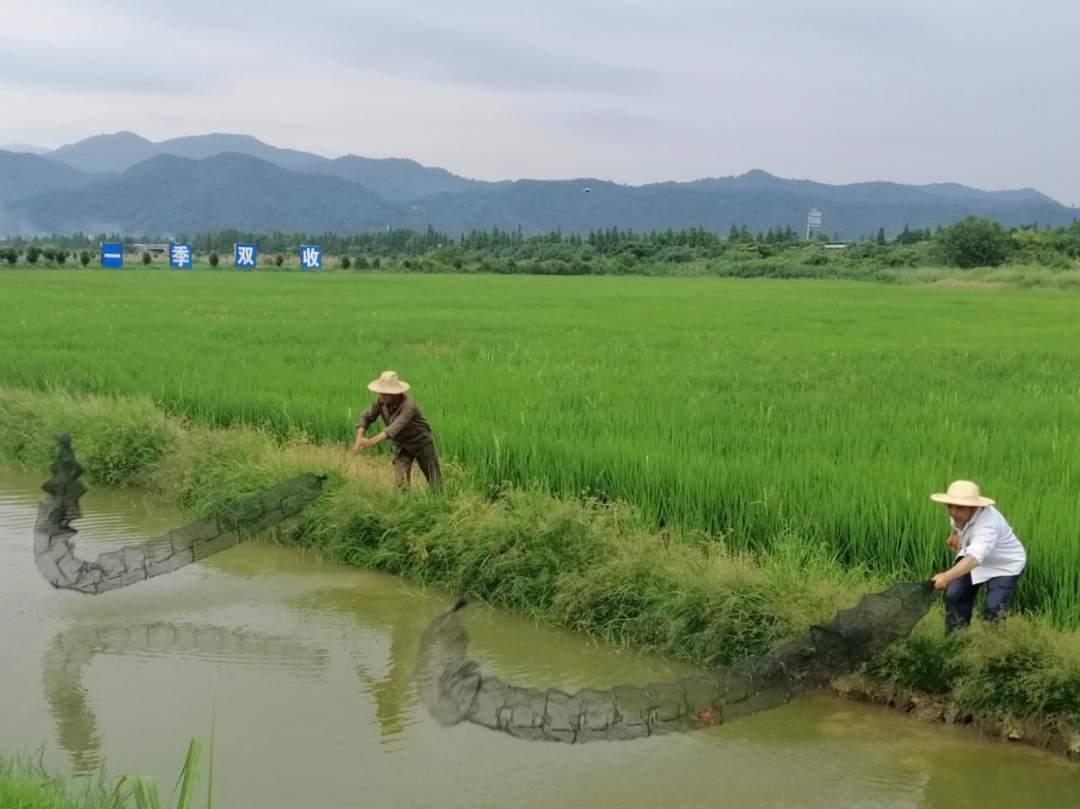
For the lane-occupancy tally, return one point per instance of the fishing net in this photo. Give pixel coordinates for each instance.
(54, 551)
(455, 689)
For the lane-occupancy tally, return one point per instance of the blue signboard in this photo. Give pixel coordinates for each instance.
(244, 255)
(310, 257)
(112, 254)
(180, 256)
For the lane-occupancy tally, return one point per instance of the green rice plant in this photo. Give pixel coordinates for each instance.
(739, 408)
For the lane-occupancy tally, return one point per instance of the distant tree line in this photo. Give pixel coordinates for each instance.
(33, 253)
(971, 242)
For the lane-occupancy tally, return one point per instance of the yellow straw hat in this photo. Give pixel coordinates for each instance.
(388, 382)
(962, 493)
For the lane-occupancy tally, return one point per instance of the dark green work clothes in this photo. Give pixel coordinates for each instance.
(410, 435)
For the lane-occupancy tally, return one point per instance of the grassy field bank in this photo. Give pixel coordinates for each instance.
(590, 566)
(755, 410)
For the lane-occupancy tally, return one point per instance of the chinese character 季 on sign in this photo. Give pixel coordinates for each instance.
(244, 256)
(112, 254)
(310, 257)
(180, 256)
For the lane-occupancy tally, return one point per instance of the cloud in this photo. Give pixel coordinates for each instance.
(107, 74)
(476, 46)
(977, 91)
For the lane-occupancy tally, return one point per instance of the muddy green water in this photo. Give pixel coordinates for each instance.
(306, 668)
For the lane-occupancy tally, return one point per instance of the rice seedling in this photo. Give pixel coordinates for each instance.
(743, 408)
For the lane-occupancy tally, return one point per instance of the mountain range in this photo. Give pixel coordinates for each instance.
(125, 183)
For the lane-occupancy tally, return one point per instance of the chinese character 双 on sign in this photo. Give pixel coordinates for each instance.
(244, 255)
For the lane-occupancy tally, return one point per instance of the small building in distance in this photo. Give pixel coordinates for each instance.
(152, 249)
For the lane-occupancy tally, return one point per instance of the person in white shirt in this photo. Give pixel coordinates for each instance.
(987, 552)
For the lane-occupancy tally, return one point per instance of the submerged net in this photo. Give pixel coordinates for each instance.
(454, 689)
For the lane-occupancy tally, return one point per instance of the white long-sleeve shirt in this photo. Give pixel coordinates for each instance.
(990, 540)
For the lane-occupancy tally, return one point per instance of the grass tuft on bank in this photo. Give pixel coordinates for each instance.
(27, 785)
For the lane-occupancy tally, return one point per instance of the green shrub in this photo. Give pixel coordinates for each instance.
(975, 242)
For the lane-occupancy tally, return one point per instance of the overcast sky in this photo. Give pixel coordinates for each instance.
(983, 92)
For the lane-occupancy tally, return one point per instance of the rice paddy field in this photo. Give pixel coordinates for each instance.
(757, 410)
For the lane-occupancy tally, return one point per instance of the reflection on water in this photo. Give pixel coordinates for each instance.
(397, 621)
(72, 650)
(308, 668)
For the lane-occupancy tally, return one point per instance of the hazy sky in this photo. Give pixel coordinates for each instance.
(984, 92)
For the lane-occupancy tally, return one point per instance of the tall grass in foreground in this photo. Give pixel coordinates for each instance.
(28, 785)
(747, 409)
(144, 791)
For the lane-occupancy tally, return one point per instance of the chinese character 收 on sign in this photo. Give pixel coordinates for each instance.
(310, 257)
(180, 256)
(244, 256)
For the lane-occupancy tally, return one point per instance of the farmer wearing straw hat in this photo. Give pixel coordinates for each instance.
(404, 425)
(987, 552)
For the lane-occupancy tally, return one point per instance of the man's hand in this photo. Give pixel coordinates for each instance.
(953, 542)
(961, 568)
(364, 443)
